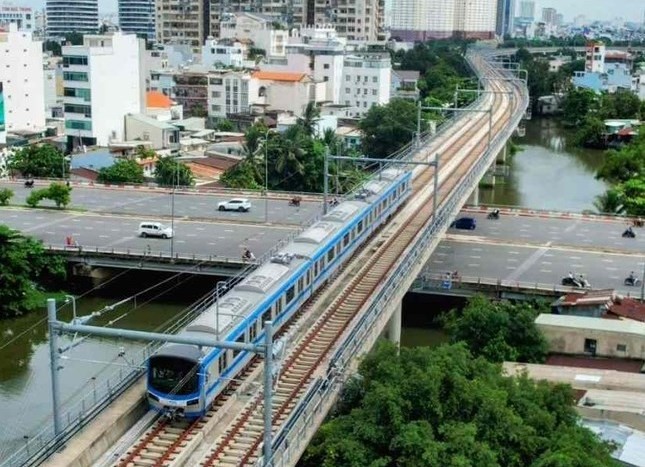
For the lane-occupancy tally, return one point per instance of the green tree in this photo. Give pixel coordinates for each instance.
(309, 119)
(59, 193)
(632, 195)
(625, 164)
(498, 331)
(26, 268)
(387, 128)
(609, 202)
(577, 104)
(42, 160)
(5, 196)
(143, 152)
(169, 172)
(591, 133)
(122, 171)
(224, 125)
(443, 407)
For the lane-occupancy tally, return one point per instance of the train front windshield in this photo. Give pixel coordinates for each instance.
(171, 375)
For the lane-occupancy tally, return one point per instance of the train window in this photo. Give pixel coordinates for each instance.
(330, 255)
(337, 248)
(253, 332)
(221, 363)
(308, 276)
(278, 307)
(301, 284)
(266, 316)
(239, 340)
(359, 227)
(290, 294)
(345, 243)
(316, 269)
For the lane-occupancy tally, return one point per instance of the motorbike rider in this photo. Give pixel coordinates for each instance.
(632, 277)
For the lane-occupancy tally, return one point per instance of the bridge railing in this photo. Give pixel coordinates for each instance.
(323, 391)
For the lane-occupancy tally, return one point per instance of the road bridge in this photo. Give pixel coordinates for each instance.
(348, 315)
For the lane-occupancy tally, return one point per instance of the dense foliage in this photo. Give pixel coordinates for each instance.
(291, 161)
(59, 193)
(624, 168)
(498, 331)
(169, 172)
(444, 407)
(5, 196)
(387, 128)
(26, 268)
(43, 161)
(122, 171)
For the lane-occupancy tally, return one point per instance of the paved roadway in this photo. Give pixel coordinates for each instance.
(158, 203)
(539, 250)
(109, 231)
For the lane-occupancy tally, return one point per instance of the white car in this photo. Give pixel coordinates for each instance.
(235, 204)
(154, 229)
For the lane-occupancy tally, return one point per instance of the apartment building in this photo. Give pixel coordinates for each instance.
(223, 52)
(22, 82)
(138, 17)
(183, 22)
(366, 82)
(96, 99)
(420, 20)
(359, 20)
(190, 90)
(21, 16)
(260, 30)
(64, 16)
(230, 92)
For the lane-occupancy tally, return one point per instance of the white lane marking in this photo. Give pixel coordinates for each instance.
(107, 236)
(439, 253)
(228, 231)
(50, 233)
(477, 249)
(546, 263)
(513, 260)
(611, 269)
(607, 260)
(614, 277)
(511, 268)
(473, 265)
(545, 270)
(475, 257)
(180, 241)
(436, 261)
(513, 252)
(200, 229)
(577, 266)
(526, 265)
(574, 257)
(191, 235)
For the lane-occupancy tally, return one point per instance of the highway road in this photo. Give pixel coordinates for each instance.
(110, 231)
(158, 203)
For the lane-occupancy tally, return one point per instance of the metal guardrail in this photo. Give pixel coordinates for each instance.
(323, 391)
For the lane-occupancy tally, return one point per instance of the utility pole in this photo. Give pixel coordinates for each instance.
(54, 363)
(325, 180)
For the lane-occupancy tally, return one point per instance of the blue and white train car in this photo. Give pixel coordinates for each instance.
(185, 379)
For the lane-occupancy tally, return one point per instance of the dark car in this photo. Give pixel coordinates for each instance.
(464, 223)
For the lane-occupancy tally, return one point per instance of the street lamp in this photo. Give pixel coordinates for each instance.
(175, 182)
(266, 177)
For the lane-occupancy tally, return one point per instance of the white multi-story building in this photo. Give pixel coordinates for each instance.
(103, 81)
(65, 16)
(22, 16)
(366, 82)
(230, 92)
(419, 20)
(258, 29)
(223, 52)
(138, 17)
(22, 80)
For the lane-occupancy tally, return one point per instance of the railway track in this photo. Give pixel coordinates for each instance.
(170, 443)
(241, 442)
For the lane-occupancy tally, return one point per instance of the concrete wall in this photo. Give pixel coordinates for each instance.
(572, 341)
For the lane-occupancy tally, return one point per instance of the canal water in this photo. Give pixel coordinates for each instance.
(549, 172)
(25, 391)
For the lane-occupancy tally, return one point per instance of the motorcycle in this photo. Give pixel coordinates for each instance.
(632, 281)
(576, 282)
(629, 233)
(493, 214)
(29, 184)
(638, 222)
(295, 201)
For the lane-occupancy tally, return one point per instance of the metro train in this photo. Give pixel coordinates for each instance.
(183, 380)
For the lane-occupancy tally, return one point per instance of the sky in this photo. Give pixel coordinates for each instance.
(630, 10)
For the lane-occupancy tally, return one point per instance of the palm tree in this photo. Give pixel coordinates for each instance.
(309, 118)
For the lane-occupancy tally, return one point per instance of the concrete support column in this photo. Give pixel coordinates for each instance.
(394, 326)
(502, 156)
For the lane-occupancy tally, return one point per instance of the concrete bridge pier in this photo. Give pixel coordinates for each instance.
(393, 329)
(502, 155)
(474, 197)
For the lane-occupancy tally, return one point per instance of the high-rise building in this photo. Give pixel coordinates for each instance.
(22, 82)
(138, 17)
(183, 22)
(549, 16)
(414, 20)
(23, 17)
(96, 97)
(505, 16)
(527, 10)
(65, 16)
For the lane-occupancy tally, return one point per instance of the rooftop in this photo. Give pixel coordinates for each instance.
(158, 100)
(628, 308)
(592, 324)
(153, 122)
(279, 76)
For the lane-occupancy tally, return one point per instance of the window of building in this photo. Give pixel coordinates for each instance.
(216, 108)
(75, 76)
(348, 78)
(326, 78)
(326, 66)
(74, 60)
(78, 125)
(590, 346)
(374, 79)
(80, 93)
(78, 109)
(374, 92)
(216, 94)
(216, 81)
(621, 348)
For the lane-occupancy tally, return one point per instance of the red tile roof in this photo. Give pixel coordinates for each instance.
(279, 76)
(158, 100)
(628, 308)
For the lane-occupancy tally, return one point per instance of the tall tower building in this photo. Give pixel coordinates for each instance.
(64, 16)
(138, 17)
(527, 10)
(549, 15)
(183, 22)
(505, 16)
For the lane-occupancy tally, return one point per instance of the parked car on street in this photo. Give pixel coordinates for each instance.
(235, 204)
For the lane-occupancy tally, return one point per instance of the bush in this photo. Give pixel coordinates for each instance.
(36, 196)
(5, 195)
(57, 192)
